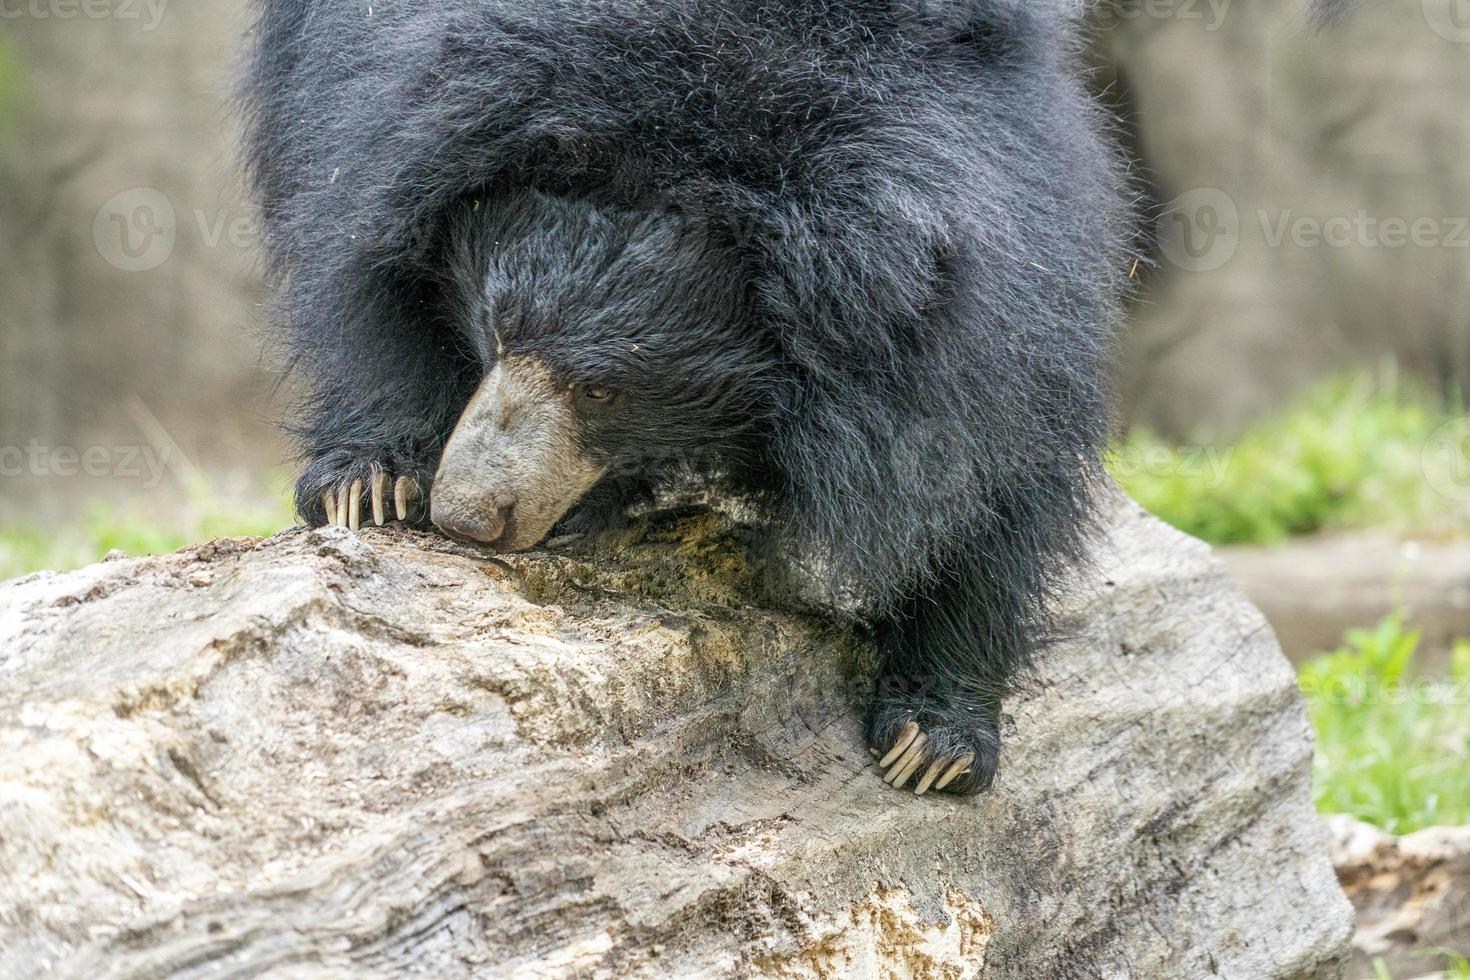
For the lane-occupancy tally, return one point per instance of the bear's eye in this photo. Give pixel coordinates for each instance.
(595, 393)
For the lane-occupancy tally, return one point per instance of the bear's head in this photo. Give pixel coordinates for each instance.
(615, 342)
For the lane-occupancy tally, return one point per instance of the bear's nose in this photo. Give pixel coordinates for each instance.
(482, 526)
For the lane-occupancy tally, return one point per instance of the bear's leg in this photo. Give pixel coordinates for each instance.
(947, 658)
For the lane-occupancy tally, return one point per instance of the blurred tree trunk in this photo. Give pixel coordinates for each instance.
(1263, 133)
(127, 287)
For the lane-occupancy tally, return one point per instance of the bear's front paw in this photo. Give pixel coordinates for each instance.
(957, 754)
(341, 502)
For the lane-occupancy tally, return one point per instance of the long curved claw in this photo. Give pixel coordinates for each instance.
(909, 769)
(960, 767)
(932, 773)
(901, 744)
(380, 489)
(910, 758)
(354, 506)
(405, 490)
(345, 504)
(911, 754)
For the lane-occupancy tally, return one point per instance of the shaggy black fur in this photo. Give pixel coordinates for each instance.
(855, 259)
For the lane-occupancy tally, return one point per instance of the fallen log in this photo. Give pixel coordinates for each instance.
(1411, 895)
(327, 754)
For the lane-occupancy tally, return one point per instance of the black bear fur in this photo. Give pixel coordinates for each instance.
(879, 243)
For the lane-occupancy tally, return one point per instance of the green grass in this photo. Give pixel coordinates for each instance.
(1353, 453)
(26, 548)
(1456, 966)
(1393, 745)
(12, 83)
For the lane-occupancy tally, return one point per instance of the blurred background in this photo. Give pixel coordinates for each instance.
(135, 405)
(1291, 381)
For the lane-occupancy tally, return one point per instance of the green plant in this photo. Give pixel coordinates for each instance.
(1456, 966)
(1349, 454)
(103, 528)
(12, 84)
(1393, 745)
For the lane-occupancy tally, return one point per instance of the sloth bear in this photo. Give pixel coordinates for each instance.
(851, 261)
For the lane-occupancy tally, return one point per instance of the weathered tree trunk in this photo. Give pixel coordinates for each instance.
(328, 755)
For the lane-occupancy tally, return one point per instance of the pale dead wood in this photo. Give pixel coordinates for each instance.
(360, 755)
